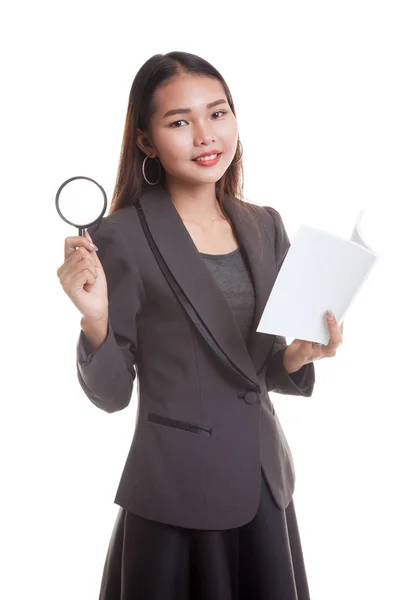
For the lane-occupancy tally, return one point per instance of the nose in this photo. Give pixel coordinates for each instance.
(204, 135)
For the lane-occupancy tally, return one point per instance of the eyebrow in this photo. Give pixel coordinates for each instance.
(176, 111)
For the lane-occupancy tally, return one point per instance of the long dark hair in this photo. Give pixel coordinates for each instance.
(157, 71)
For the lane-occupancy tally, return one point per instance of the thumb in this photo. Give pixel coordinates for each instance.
(96, 258)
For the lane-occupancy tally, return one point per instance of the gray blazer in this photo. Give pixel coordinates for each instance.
(205, 424)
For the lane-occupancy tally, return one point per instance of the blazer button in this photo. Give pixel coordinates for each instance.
(251, 397)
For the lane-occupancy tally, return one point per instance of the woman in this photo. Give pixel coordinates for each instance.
(174, 297)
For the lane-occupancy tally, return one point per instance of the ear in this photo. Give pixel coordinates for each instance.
(144, 144)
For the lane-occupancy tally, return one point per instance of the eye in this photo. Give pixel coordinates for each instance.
(222, 112)
(172, 124)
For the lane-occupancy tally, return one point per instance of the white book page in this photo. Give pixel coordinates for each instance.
(321, 270)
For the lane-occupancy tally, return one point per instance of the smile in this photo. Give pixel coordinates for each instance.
(208, 161)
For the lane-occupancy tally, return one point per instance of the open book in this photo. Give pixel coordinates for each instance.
(321, 270)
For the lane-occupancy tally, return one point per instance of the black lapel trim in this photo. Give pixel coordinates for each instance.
(191, 312)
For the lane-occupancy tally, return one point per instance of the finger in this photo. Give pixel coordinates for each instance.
(329, 352)
(318, 351)
(324, 351)
(96, 258)
(76, 241)
(334, 332)
(82, 279)
(77, 273)
(312, 350)
(80, 254)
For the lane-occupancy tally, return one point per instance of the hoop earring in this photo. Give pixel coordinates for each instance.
(240, 157)
(144, 174)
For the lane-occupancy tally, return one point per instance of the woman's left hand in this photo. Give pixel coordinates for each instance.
(302, 352)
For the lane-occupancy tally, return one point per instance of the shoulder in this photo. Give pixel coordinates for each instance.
(112, 235)
(269, 216)
(113, 225)
(120, 217)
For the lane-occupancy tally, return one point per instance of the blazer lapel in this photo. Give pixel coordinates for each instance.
(258, 250)
(194, 278)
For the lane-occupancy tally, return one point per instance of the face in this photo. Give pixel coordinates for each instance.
(178, 138)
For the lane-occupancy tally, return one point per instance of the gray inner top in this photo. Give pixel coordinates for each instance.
(233, 277)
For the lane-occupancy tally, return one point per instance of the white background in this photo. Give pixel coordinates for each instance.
(316, 89)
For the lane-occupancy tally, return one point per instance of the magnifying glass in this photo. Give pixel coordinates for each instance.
(81, 199)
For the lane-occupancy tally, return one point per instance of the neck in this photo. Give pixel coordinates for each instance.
(197, 203)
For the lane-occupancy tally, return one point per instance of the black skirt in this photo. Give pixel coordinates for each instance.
(261, 560)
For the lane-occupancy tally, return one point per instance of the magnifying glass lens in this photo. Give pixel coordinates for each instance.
(81, 201)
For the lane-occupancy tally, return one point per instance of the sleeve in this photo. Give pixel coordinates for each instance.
(300, 383)
(83, 348)
(107, 374)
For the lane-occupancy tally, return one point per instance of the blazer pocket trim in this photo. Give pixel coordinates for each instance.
(192, 427)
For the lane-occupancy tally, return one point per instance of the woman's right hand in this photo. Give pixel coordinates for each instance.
(82, 277)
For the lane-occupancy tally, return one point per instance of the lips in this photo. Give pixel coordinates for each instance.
(204, 154)
(208, 162)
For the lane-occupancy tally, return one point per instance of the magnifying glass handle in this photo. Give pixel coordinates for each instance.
(81, 230)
